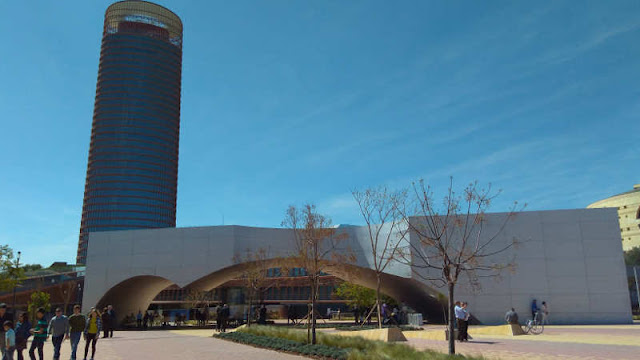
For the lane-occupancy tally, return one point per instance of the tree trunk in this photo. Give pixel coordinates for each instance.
(308, 323)
(313, 312)
(309, 310)
(249, 312)
(452, 344)
(378, 301)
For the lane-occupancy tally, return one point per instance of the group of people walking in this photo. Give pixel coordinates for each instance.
(462, 320)
(59, 328)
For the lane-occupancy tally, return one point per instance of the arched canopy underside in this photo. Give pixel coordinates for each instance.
(137, 293)
(133, 294)
(411, 292)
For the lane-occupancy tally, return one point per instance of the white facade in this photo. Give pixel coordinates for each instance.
(570, 258)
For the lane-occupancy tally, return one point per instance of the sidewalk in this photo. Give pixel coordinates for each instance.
(615, 342)
(165, 345)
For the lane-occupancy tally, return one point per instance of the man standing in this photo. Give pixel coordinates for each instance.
(113, 319)
(4, 316)
(465, 323)
(59, 330)
(460, 315)
(77, 323)
(106, 322)
(262, 319)
(534, 309)
(145, 320)
(139, 319)
(226, 313)
(545, 312)
(219, 318)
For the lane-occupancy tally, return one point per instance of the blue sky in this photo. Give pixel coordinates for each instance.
(292, 101)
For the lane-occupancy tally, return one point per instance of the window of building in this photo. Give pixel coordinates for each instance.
(638, 213)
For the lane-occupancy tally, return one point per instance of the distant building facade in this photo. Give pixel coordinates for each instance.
(628, 205)
(284, 289)
(132, 171)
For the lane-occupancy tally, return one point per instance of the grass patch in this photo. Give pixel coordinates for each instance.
(356, 348)
(287, 345)
(353, 327)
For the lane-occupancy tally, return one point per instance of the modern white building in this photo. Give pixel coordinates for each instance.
(572, 259)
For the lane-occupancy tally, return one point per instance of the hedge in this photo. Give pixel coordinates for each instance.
(287, 345)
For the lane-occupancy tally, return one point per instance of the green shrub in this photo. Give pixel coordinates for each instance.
(355, 348)
(287, 345)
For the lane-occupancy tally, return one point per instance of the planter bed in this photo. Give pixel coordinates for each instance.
(286, 345)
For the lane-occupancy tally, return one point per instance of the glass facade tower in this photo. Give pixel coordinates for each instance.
(132, 173)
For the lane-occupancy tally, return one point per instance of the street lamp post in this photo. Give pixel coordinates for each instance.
(79, 293)
(13, 308)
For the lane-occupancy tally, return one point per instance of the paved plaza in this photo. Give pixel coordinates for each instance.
(169, 345)
(617, 342)
(558, 342)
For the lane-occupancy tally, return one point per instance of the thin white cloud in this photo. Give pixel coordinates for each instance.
(568, 53)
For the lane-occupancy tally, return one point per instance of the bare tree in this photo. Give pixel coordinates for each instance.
(197, 297)
(254, 275)
(317, 244)
(454, 238)
(379, 208)
(66, 291)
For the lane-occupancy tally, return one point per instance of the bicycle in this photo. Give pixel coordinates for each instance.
(534, 326)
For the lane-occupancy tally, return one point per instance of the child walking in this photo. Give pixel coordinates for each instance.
(10, 340)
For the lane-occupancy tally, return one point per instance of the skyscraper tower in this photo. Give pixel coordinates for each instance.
(132, 173)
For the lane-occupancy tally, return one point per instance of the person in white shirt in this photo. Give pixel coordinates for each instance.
(544, 310)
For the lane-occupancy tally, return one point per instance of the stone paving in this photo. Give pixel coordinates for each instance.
(166, 345)
(557, 343)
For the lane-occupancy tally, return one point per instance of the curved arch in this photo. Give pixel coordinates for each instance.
(409, 291)
(133, 294)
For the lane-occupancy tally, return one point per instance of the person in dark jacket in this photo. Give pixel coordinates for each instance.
(113, 320)
(262, 318)
(226, 313)
(534, 309)
(145, 320)
(22, 334)
(219, 318)
(106, 323)
(77, 322)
